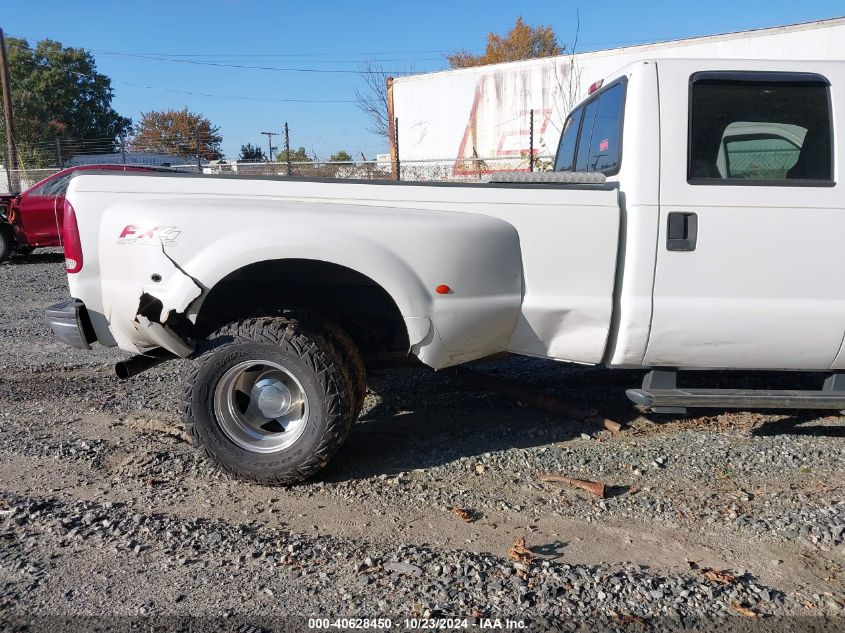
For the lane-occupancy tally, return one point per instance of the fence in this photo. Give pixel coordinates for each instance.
(413, 170)
(190, 153)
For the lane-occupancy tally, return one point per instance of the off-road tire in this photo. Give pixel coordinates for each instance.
(349, 357)
(310, 354)
(6, 242)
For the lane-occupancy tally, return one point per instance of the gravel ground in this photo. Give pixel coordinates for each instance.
(733, 519)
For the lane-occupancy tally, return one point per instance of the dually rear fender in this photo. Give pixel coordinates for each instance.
(161, 257)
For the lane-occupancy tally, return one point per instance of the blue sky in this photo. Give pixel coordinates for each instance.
(332, 36)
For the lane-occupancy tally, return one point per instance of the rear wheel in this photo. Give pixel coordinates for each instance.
(6, 242)
(348, 356)
(270, 399)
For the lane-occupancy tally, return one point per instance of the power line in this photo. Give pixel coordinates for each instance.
(216, 96)
(270, 136)
(227, 65)
(241, 54)
(228, 58)
(205, 94)
(244, 66)
(320, 54)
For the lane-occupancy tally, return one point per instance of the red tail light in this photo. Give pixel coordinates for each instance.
(70, 238)
(595, 86)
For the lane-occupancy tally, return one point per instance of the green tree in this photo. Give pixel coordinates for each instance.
(521, 42)
(341, 157)
(296, 156)
(57, 92)
(177, 132)
(252, 153)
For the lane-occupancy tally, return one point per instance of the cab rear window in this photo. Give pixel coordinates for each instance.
(592, 135)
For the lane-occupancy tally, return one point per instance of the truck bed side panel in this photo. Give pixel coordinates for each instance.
(566, 242)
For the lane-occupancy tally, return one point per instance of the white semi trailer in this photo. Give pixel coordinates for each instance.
(467, 123)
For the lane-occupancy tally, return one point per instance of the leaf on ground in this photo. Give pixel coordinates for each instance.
(519, 552)
(721, 577)
(750, 613)
(463, 514)
(626, 618)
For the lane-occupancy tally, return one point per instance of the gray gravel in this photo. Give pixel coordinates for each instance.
(106, 510)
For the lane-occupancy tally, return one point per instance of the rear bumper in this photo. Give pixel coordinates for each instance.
(70, 323)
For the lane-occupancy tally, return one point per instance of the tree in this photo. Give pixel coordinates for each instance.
(252, 153)
(296, 156)
(341, 157)
(371, 96)
(177, 132)
(521, 42)
(57, 92)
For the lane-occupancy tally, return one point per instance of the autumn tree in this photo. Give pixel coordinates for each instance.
(252, 154)
(521, 42)
(58, 93)
(177, 132)
(341, 157)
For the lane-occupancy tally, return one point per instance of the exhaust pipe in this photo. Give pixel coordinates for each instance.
(135, 365)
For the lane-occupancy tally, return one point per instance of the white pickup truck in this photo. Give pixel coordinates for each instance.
(694, 219)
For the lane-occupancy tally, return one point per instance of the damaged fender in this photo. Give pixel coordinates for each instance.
(158, 307)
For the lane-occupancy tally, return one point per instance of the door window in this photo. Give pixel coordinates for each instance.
(593, 134)
(568, 140)
(57, 186)
(603, 142)
(759, 128)
(582, 155)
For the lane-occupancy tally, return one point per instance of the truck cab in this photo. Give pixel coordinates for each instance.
(730, 206)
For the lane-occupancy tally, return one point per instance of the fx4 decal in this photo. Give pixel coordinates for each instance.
(134, 234)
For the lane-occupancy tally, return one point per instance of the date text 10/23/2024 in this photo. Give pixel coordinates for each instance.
(416, 624)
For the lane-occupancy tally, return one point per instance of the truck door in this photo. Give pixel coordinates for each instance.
(749, 254)
(41, 210)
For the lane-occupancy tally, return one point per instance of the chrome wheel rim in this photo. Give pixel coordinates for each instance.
(261, 406)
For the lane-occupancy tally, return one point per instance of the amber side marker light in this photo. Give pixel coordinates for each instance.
(443, 289)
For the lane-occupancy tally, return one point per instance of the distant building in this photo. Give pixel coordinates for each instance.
(383, 162)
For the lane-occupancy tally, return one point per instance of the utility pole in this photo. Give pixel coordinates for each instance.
(396, 147)
(199, 162)
(12, 163)
(270, 136)
(531, 141)
(123, 149)
(287, 147)
(59, 151)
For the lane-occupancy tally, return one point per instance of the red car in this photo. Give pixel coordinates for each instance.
(31, 219)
